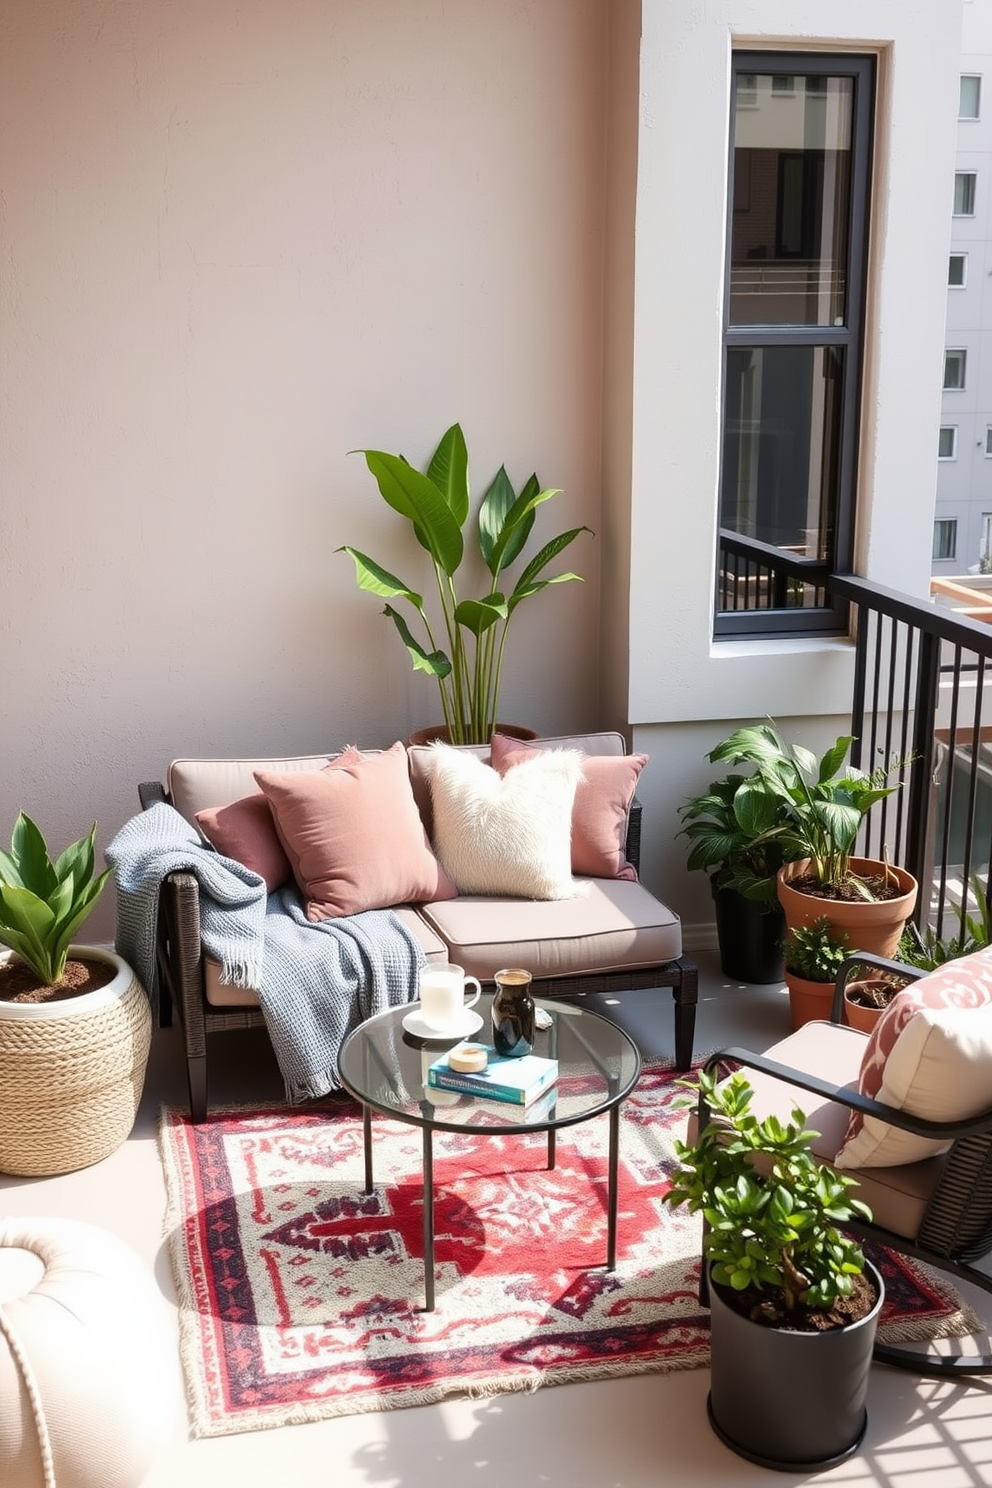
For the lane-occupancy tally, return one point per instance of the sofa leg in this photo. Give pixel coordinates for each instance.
(196, 1068)
(685, 994)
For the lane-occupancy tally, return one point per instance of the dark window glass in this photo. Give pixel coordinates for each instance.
(800, 172)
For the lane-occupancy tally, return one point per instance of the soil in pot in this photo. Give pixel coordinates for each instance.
(866, 1001)
(18, 983)
(870, 925)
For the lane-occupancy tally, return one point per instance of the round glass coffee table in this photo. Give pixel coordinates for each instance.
(385, 1068)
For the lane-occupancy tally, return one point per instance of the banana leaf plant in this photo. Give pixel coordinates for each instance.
(463, 647)
(43, 904)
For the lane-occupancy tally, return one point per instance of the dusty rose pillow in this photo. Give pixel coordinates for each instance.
(930, 1054)
(602, 804)
(353, 835)
(245, 831)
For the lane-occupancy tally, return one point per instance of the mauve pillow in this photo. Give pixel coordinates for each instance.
(245, 831)
(602, 805)
(353, 834)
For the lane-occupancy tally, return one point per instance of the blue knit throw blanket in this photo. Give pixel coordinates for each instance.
(315, 982)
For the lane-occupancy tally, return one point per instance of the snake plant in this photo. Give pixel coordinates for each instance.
(43, 904)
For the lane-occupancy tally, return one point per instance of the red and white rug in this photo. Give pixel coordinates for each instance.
(301, 1297)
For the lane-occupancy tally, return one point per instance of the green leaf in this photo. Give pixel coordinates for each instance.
(28, 850)
(525, 584)
(449, 472)
(478, 615)
(375, 579)
(506, 521)
(417, 498)
(435, 663)
(834, 758)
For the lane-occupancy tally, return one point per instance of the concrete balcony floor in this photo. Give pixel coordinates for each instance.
(629, 1433)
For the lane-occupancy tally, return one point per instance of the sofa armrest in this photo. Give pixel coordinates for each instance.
(152, 793)
(633, 843)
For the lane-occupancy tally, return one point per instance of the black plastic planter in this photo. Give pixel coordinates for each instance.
(790, 1401)
(750, 937)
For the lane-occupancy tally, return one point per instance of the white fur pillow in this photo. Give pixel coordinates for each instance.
(506, 834)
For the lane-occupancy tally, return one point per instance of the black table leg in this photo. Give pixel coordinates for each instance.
(611, 1205)
(367, 1135)
(428, 1220)
(552, 1146)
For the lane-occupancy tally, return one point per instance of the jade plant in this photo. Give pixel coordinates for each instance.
(437, 504)
(43, 904)
(773, 1213)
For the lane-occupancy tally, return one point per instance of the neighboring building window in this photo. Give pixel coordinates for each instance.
(945, 538)
(957, 270)
(988, 439)
(794, 315)
(985, 557)
(947, 443)
(955, 365)
(971, 96)
(964, 193)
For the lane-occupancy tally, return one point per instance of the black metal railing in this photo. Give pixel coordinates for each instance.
(922, 695)
(755, 575)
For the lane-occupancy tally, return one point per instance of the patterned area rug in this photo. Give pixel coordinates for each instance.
(301, 1297)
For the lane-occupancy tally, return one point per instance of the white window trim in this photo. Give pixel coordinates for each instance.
(946, 521)
(971, 118)
(961, 386)
(964, 273)
(944, 459)
(988, 441)
(958, 175)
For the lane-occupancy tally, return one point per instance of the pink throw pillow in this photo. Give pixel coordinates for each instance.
(245, 831)
(353, 834)
(602, 805)
(924, 1056)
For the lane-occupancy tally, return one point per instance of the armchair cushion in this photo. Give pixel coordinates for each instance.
(506, 834)
(601, 808)
(931, 1055)
(353, 835)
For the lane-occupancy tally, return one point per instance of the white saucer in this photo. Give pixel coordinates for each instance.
(470, 1022)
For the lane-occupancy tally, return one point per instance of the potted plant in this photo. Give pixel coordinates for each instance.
(75, 1024)
(474, 630)
(729, 827)
(814, 955)
(824, 805)
(794, 1304)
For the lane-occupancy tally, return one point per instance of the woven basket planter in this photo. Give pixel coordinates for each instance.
(71, 1074)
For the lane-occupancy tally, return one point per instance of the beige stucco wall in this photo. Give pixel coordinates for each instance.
(240, 240)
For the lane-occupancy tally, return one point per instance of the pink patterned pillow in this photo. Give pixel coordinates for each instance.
(930, 1054)
(601, 807)
(245, 831)
(353, 834)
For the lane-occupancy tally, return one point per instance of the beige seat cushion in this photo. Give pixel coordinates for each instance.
(896, 1196)
(221, 995)
(616, 924)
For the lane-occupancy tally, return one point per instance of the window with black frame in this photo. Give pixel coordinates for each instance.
(800, 171)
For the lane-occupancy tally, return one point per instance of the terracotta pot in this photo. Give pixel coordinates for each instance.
(869, 925)
(856, 1015)
(808, 1000)
(441, 731)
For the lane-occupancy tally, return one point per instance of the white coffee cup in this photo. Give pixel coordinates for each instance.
(442, 996)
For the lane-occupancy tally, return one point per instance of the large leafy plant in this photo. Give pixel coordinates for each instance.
(437, 504)
(771, 1210)
(43, 904)
(731, 832)
(821, 803)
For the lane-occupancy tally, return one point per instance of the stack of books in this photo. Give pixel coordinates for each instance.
(516, 1081)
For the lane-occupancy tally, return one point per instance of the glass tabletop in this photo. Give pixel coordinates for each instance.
(385, 1067)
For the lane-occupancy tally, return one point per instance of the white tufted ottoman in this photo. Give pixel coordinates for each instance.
(89, 1383)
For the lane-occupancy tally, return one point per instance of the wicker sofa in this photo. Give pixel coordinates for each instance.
(616, 937)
